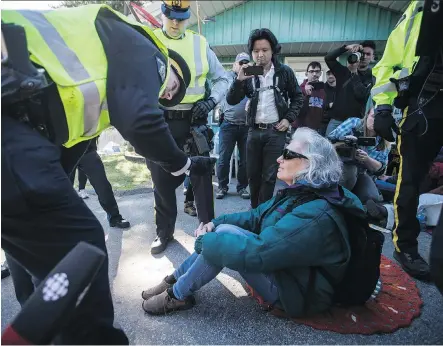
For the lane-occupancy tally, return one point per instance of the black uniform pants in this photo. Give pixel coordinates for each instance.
(43, 218)
(416, 156)
(263, 149)
(165, 185)
(92, 165)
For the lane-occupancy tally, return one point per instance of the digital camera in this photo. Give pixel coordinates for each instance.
(355, 57)
(348, 148)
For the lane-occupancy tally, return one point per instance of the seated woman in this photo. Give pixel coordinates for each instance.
(359, 176)
(274, 247)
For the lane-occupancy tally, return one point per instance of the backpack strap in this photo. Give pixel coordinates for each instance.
(302, 199)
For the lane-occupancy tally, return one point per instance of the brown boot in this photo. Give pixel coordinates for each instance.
(153, 291)
(190, 208)
(162, 304)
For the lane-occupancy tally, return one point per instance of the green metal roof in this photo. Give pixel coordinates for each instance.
(303, 27)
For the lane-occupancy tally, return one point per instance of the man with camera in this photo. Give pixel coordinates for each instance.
(410, 77)
(312, 112)
(353, 83)
(276, 100)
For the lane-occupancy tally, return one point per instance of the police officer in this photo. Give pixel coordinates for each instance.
(410, 77)
(95, 68)
(190, 114)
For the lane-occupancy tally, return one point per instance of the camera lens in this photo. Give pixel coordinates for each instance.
(353, 58)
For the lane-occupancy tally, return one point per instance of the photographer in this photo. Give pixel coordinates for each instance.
(370, 161)
(276, 100)
(312, 113)
(353, 83)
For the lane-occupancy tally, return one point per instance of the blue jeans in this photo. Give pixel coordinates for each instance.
(229, 135)
(196, 272)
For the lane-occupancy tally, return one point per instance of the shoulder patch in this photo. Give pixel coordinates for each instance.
(161, 67)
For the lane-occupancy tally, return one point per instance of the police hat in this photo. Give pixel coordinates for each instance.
(177, 9)
(179, 65)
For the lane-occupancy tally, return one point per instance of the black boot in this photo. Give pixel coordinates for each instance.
(119, 222)
(159, 244)
(414, 265)
(5, 271)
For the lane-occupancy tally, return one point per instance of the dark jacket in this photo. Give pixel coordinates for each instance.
(330, 98)
(314, 234)
(312, 112)
(352, 91)
(288, 95)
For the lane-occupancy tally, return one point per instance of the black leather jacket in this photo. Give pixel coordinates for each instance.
(288, 95)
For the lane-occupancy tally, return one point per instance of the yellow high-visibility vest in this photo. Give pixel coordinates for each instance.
(399, 55)
(66, 44)
(192, 47)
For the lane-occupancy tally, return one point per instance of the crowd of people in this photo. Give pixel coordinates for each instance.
(293, 246)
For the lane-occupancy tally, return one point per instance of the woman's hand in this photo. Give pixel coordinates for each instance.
(371, 164)
(203, 229)
(361, 156)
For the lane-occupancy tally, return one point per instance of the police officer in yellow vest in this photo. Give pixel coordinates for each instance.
(190, 116)
(410, 76)
(91, 67)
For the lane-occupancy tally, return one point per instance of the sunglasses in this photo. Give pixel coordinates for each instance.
(169, 17)
(243, 62)
(290, 155)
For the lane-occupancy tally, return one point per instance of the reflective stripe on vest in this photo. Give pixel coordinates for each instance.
(196, 58)
(389, 87)
(418, 6)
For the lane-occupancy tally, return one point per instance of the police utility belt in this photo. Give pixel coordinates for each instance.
(178, 114)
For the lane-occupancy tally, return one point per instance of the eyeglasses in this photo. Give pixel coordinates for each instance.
(290, 155)
(243, 62)
(314, 71)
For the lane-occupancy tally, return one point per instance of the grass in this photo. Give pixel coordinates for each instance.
(124, 174)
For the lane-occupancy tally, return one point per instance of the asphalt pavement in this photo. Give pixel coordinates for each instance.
(223, 314)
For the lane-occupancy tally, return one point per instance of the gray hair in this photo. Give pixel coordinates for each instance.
(324, 165)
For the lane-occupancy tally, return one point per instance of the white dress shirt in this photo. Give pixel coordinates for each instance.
(267, 112)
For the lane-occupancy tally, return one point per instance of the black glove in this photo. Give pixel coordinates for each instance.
(201, 165)
(384, 123)
(202, 108)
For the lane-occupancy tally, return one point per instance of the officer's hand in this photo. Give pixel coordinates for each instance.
(202, 108)
(384, 123)
(201, 165)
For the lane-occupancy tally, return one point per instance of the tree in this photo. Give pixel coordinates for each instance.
(116, 5)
